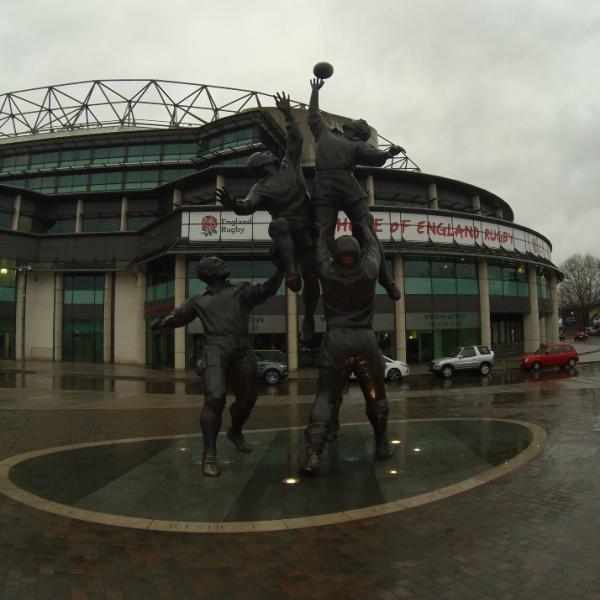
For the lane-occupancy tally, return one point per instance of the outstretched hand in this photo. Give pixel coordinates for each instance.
(282, 101)
(223, 196)
(395, 150)
(156, 323)
(317, 83)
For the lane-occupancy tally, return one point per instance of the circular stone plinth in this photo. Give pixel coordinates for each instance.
(157, 484)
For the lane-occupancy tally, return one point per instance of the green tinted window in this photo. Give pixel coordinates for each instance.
(143, 153)
(417, 268)
(44, 160)
(180, 151)
(106, 181)
(72, 183)
(70, 158)
(14, 163)
(109, 155)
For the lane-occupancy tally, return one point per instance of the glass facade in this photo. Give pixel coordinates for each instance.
(83, 323)
(507, 281)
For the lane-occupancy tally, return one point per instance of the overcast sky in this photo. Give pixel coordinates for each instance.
(503, 94)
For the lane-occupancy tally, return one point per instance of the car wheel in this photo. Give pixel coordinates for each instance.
(485, 368)
(536, 366)
(447, 371)
(394, 374)
(271, 376)
(571, 363)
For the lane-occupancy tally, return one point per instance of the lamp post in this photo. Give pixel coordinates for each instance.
(24, 270)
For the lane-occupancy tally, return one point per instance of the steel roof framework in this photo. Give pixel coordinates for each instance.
(142, 103)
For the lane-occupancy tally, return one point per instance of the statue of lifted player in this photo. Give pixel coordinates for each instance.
(282, 192)
(336, 188)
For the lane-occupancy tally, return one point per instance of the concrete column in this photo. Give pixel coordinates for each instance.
(499, 214)
(400, 309)
(552, 318)
(179, 332)
(432, 194)
(58, 316)
(20, 316)
(370, 186)
(476, 205)
(485, 324)
(124, 213)
(16, 213)
(177, 198)
(108, 313)
(220, 182)
(531, 322)
(543, 339)
(292, 329)
(141, 321)
(79, 217)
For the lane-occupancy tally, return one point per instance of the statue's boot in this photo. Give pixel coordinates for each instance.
(315, 443)
(210, 467)
(307, 334)
(378, 420)
(239, 441)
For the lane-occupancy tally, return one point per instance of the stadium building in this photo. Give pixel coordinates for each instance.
(101, 231)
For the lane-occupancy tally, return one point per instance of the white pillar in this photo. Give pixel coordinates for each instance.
(220, 182)
(552, 318)
(370, 186)
(292, 329)
(20, 316)
(531, 321)
(476, 205)
(108, 315)
(141, 321)
(432, 194)
(124, 214)
(180, 332)
(485, 324)
(400, 309)
(177, 198)
(16, 213)
(79, 217)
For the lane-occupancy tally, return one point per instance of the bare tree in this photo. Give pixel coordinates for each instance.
(580, 290)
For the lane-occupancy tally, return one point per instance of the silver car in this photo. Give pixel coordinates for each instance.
(463, 358)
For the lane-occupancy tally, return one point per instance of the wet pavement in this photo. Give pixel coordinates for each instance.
(500, 501)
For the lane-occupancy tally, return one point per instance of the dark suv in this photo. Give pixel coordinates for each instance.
(463, 358)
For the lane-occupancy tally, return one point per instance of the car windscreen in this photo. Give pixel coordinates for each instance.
(541, 350)
(455, 352)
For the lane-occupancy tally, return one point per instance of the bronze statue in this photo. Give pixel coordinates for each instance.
(335, 188)
(224, 309)
(282, 192)
(348, 279)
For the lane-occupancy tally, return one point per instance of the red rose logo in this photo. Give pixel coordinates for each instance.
(209, 226)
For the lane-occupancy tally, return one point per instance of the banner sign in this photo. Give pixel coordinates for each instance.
(412, 228)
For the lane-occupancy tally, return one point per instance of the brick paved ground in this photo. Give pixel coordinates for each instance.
(533, 533)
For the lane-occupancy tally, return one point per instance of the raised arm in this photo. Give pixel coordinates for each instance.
(293, 135)
(177, 318)
(315, 120)
(240, 207)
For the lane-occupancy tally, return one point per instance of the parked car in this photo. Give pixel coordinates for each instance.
(551, 355)
(581, 337)
(269, 371)
(394, 369)
(272, 372)
(463, 358)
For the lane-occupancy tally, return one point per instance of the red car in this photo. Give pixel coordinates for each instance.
(581, 337)
(551, 355)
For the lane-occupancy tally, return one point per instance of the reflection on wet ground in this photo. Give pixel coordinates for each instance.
(194, 386)
(158, 478)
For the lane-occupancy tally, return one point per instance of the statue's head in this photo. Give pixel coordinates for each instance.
(212, 268)
(258, 163)
(357, 131)
(346, 251)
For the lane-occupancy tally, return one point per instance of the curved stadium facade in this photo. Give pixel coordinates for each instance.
(101, 230)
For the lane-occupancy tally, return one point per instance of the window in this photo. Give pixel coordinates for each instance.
(109, 155)
(72, 183)
(141, 179)
(180, 151)
(71, 158)
(507, 281)
(44, 160)
(106, 181)
(14, 163)
(83, 289)
(144, 153)
(435, 276)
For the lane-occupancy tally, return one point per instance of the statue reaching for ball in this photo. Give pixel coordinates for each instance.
(337, 154)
